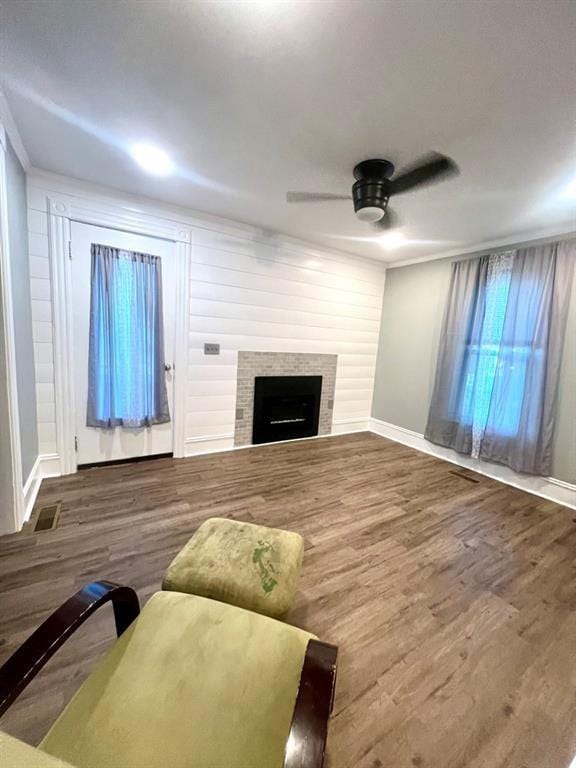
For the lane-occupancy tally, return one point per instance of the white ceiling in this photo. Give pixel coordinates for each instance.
(254, 98)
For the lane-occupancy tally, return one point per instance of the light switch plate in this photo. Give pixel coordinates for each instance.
(211, 349)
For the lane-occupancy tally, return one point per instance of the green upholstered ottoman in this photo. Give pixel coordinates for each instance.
(247, 565)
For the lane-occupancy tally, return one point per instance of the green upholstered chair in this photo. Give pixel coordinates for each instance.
(251, 566)
(190, 683)
(16, 754)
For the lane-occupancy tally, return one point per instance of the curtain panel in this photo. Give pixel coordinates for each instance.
(496, 384)
(126, 377)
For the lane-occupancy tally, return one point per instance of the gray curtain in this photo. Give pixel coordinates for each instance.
(522, 411)
(462, 327)
(126, 377)
(496, 382)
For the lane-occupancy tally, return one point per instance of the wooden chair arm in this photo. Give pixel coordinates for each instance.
(307, 739)
(28, 660)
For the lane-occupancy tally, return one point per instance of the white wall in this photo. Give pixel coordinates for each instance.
(265, 297)
(247, 292)
(42, 320)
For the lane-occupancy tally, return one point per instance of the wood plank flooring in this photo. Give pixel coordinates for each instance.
(453, 602)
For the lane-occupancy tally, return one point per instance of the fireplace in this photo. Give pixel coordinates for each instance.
(285, 407)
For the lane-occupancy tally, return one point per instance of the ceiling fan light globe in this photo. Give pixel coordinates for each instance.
(370, 214)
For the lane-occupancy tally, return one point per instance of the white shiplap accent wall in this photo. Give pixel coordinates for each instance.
(246, 293)
(270, 297)
(42, 320)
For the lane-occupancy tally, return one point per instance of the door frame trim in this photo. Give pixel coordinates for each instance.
(17, 509)
(62, 211)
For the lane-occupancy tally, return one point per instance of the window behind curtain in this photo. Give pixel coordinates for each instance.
(126, 379)
(487, 353)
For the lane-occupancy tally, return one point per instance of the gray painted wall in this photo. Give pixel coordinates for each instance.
(20, 277)
(412, 312)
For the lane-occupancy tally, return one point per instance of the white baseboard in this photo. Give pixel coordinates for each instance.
(347, 426)
(548, 488)
(197, 446)
(31, 488)
(49, 465)
(46, 465)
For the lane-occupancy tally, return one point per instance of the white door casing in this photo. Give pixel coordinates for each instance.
(12, 513)
(63, 211)
(99, 445)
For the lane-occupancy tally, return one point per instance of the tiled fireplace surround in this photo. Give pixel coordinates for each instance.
(252, 364)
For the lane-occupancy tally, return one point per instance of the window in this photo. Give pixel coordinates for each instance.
(494, 356)
(126, 385)
(484, 357)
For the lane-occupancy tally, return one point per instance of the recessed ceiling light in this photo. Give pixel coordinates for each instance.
(392, 240)
(152, 159)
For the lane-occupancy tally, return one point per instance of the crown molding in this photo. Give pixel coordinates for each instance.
(133, 204)
(142, 205)
(540, 237)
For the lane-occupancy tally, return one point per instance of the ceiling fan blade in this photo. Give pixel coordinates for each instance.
(434, 167)
(314, 197)
(389, 221)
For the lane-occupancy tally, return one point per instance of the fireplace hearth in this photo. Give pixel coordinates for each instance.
(285, 407)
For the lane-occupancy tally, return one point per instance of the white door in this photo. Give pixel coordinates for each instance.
(100, 445)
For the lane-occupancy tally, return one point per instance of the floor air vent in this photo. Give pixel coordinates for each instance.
(47, 518)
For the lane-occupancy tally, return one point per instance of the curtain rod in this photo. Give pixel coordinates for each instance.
(514, 246)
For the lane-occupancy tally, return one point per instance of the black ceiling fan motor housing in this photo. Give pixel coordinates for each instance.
(372, 188)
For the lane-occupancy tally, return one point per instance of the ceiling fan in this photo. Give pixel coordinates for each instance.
(374, 186)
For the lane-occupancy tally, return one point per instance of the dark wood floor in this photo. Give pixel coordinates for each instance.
(453, 602)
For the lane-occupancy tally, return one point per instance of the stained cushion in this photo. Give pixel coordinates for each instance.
(16, 754)
(251, 566)
(193, 683)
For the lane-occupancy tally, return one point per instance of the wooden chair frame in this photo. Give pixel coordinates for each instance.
(306, 743)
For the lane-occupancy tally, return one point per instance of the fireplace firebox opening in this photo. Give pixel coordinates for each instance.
(285, 407)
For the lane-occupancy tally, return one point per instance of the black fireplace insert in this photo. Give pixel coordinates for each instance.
(286, 407)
